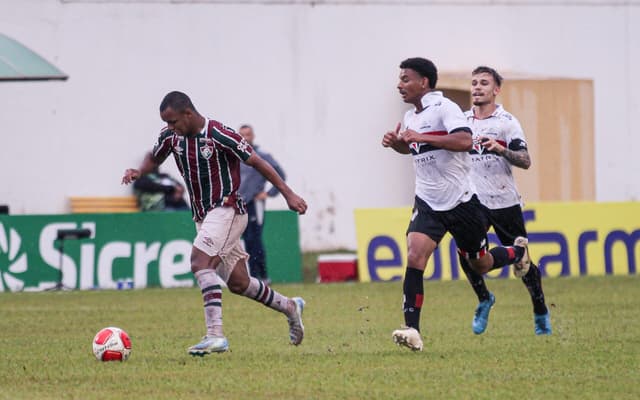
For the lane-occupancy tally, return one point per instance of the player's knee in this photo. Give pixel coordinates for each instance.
(480, 265)
(238, 287)
(200, 260)
(416, 260)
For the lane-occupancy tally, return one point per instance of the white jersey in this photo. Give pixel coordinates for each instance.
(490, 172)
(442, 176)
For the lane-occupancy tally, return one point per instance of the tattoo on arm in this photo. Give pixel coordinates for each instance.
(518, 158)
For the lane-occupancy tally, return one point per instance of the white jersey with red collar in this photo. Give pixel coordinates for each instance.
(442, 176)
(491, 172)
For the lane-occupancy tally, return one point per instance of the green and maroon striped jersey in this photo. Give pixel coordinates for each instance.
(209, 163)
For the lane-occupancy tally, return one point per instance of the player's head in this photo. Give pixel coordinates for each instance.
(246, 131)
(418, 76)
(485, 85)
(177, 110)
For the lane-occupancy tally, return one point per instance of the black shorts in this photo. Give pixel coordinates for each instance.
(508, 223)
(467, 222)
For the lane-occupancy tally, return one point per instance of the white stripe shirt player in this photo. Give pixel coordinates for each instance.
(492, 173)
(442, 176)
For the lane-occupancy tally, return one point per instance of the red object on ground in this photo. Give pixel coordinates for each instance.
(337, 267)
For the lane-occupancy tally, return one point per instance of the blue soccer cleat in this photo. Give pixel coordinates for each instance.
(542, 323)
(481, 318)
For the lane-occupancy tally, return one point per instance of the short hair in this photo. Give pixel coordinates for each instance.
(488, 70)
(178, 101)
(245, 126)
(424, 67)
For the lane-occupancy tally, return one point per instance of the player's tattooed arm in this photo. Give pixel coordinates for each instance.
(518, 158)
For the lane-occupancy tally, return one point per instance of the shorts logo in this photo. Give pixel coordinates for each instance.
(208, 241)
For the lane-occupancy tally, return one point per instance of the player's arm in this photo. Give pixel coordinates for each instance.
(518, 158)
(458, 140)
(295, 202)
(152, 160)
(131, 174)
(392, 139)
(516, 154)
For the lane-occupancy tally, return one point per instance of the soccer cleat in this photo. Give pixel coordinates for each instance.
(407, 337)
(296, 328)
(520, 268)
(208, 345)
(542, 323)
(481, 318)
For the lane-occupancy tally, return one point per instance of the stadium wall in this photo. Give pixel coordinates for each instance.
(316, 79)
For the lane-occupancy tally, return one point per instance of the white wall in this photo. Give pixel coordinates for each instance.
(316, 81)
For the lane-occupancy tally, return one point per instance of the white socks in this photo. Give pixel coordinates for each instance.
(211, 287)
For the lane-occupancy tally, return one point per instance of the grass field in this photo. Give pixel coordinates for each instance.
(594, 353)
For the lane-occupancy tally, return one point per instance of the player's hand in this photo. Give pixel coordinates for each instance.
(391, 137)
(410, 136)
(296, 203)
(491, 144)
(130, 175)
(178, 192)
(261, 196)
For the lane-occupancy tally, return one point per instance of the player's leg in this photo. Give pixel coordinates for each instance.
(468, 224)
(205, 259)
(472, 213)
(476, 280)
(424, 232)
(486, 299)
(240, 282)
(509, 224)
(252, 242)
(260, 253)
(203, 268)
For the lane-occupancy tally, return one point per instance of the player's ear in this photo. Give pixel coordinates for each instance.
(496, 90)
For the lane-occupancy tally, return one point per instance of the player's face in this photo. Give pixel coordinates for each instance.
(179, 122)
(483, 89)
(412, 86)
(247, 134)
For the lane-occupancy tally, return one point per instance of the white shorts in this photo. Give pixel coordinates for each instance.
(219, 235)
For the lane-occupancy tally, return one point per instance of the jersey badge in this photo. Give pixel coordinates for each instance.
(206, 151)
(477, 145)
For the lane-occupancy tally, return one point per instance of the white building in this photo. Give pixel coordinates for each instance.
(316, 79)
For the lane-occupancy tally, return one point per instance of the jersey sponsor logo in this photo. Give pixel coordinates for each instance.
(177, 145)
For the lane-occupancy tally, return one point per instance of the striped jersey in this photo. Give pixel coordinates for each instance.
(442, 176)
(209, 163)
(491, 172)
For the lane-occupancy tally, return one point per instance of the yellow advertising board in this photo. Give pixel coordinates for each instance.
(565, 239)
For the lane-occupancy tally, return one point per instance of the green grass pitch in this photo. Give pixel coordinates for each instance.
(594, 352)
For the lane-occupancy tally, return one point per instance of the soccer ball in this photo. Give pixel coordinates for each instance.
(111, 344)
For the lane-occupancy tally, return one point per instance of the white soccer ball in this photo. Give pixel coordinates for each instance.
(111, 344)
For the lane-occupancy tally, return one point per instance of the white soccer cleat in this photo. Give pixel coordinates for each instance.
(521, 267)
(296, 328)
(208, 345)
(407, 337)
